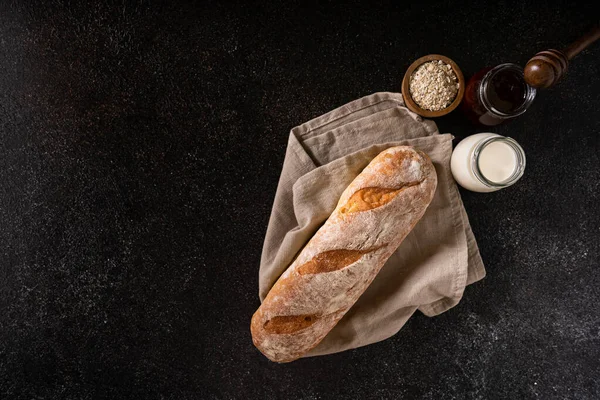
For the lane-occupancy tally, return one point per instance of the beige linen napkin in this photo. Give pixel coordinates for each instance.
(430, 269)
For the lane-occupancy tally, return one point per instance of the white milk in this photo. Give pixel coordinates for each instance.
(501, 162)
(497, 162)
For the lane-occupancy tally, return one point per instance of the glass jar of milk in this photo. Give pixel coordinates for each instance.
(486, 162)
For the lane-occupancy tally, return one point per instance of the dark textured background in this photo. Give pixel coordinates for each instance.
(140, 148)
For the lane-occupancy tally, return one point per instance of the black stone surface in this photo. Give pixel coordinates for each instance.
(140, 148)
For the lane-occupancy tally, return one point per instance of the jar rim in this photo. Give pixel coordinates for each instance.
(483, 97)
(519, 167)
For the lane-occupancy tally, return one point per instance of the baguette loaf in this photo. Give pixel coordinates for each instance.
(373, 216)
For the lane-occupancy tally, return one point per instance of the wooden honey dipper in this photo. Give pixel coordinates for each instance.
(547, 67)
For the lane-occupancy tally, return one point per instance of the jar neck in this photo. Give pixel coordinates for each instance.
(519, 167)
(484, 97)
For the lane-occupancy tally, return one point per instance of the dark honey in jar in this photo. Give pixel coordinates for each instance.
(495, 95)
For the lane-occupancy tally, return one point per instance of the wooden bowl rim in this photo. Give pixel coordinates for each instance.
(413, 106)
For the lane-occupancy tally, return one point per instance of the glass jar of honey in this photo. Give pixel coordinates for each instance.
(498, 94)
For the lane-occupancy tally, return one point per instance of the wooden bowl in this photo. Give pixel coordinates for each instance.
(413, 106)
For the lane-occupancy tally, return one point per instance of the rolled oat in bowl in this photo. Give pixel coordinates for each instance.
(434, 85)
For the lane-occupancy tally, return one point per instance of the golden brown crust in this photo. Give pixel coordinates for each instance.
(372, 197)
(374, 215)
(331, 260)
(288, 323)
